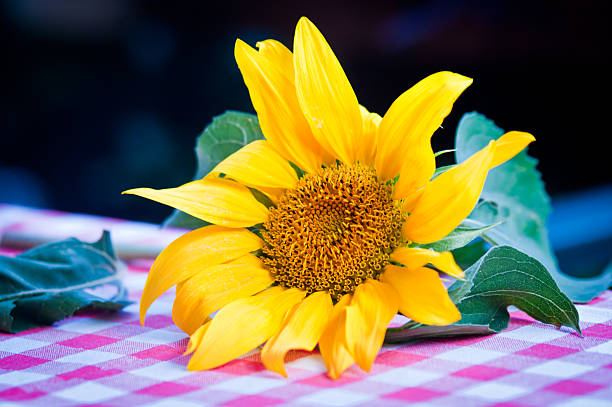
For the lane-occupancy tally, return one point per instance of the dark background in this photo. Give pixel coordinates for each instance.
(99, 96)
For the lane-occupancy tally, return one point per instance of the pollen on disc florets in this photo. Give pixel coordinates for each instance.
(333, 231)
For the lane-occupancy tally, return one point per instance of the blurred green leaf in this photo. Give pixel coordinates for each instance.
(514, 193)
(53, 281)
(461, 236)
(225, 135)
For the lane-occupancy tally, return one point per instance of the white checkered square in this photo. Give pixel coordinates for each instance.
(21, 377)
(557, 368)
(20, 345)
(605, 347)
(249, 384)
(534, 334)
(584, 402)
(335, 397)
(89, 392)
(470, 355)
(89, 357)
(594, 315)
(159, 337)
(405, 376)
(162, 371)
(495, 391)
(85, 325)
(137, 280)
(312, 363)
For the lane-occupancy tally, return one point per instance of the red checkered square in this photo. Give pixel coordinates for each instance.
(155, 321)
(322, 380)
(18, 362)
(88, 341)
(415, 394)
(167, 389)
(241, 367)
(462, 340)
(18, 394)
(574, 387)
(481, 372)
(599, 330)
(161, 352)
(253, 401)
(546, 351)
(89, 373)
(393, 358)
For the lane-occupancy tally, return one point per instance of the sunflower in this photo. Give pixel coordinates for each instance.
(330, 259)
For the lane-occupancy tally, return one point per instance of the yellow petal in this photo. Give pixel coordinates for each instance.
(191, 253)
(279, 56)
(414, 258)
(325, 94)
(242, 325)
(215, 200)
(258, 165)
(273, 193)
(448, 199)
(301, 330)
(418, 171)
(275, 101)
(196, 338)
(331, 344)
(409, 201)
(509, 145)
(367, 148)
(216, 286)
(373, 306)
(414, 180)
(451, 196)
(405, 132)
(422, 295)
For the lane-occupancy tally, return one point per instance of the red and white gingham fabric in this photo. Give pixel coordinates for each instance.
(110, 360)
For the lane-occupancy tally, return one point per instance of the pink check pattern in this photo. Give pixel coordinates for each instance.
(110, 360)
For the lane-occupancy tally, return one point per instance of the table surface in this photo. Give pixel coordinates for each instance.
(110, 360)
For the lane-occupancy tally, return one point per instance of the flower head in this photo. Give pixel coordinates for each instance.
(328, 262)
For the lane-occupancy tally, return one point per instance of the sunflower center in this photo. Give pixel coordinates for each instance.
(336, 229)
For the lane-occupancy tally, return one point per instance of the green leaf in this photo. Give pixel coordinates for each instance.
(467, 255)
(461, 236)
(515, 193)
(53, 281)
(502, 277)
(226, 134)
(178, 219)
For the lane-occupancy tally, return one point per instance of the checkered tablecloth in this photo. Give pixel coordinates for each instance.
(110, 360)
